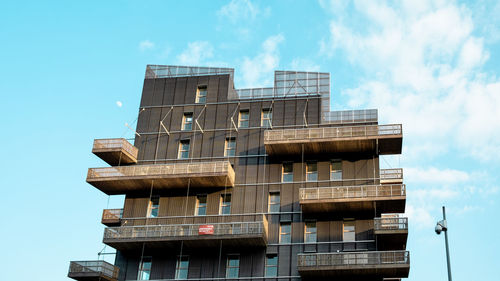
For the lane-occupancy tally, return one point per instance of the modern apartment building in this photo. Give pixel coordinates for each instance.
(250, 184)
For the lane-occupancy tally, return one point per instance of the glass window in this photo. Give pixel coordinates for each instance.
(310, 232)
(181, 268)
(225, 204)
(274, 202)
(187, 122)
(244, 119)
(144, 269)
(183, 149)
(267, 118)
(285, 232)
(312, 171)
(230, 147)
(349, 231)
(201, 94)
(233, 266)
(153, 207)
(201, 205)
(287, 172)
(271, 266)
(336, 170)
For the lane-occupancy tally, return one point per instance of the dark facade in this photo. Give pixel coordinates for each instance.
(250, 184)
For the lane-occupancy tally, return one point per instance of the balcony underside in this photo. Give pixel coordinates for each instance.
(115, 157)
(355, 271)
(394, 204)
(124, 184)
(387, 144)
(201, 241)
(90, 276)
(390, 240)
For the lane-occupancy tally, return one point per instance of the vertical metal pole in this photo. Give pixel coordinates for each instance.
(447, 248)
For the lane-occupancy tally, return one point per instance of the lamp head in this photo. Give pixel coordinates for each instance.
(441, 226)
(438, 229)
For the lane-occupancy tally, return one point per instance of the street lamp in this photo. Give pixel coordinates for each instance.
(442, 225)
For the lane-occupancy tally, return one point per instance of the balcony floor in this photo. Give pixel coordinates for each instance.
(89, 276)
(353, 271)
(394, 204)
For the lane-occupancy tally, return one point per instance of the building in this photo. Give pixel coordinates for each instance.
(252, 184)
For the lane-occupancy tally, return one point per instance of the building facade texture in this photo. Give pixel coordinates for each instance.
(252, 184)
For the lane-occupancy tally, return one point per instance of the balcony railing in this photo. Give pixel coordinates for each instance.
(111, 216)
(390, 223)
(357, 191)
(391, 175)
(80, 270)
(115, 151)
(354, 259)
(116, 180)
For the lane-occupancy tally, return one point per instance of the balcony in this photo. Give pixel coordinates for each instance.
(391, 232)
(92, 271)
(391, 176)
(115, 152)
(140, 178)
(112, 217)
(207, 232)
(388, 264)
(382, 198)
(384, 139)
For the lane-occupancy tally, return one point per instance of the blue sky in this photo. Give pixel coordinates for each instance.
(431, 65)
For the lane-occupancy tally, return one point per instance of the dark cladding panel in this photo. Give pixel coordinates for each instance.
(223, 88)
(191, 88)
(314, 111)
(213, 89)
(168, 92)
(147, 92)
(300, 112)
(278, 113)
(159, 87)
(250, 192)
(290, 110)
(180, 90)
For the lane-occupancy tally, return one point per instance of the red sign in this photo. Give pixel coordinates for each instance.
(206, 229)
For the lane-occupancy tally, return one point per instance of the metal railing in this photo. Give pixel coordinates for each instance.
(391, 223)
(354, 258)
(97, 267)
(112, 214)
(179, 169)
(170, 71)
(331, 132)
(111, 144)
(350, 116)
(184, 230)
(391, 174)
(355, 191)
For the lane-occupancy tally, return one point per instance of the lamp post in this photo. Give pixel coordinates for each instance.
(443, 226)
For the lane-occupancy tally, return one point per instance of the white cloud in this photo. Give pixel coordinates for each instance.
(435, 176)
(196, 53)
(146, 45)
(419, 216)
(300, 64)
(119, 103)
(258, 71)
(238, 11)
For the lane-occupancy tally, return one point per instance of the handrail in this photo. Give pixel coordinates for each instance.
(116, 143)
(99, 267)
(332, 132)
(112, 214)
(354, 258)
(391, 174)
(355, 191)
(391, 223)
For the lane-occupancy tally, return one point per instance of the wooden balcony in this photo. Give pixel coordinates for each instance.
(391, 176)
(93, 271)
(382, 198)
(379, 264)
(206, 234)
(384, 139)
(139, 178)
(391, 232)
(111, 217)
(115, 151)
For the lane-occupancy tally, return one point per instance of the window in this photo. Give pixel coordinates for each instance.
(144, 269)
(312, 171)
(244, 119)
(153, 207)
(225, 204)
(181, 268)
(310, 232)
(233, 266)
(201, 94)
(230, 147)
(285, 231)
(201, 205)
(274, 202)
(187, 122)
(287, 172)
(183, 149)
(349, 231)
(271, 266)
(266, 120)
(336, 170)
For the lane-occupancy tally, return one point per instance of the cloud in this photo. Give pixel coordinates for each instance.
(119, 103)
(300, 64)
(238, 11)
(196, 53)
(435, 176)
(258, 71)
(146, 45)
